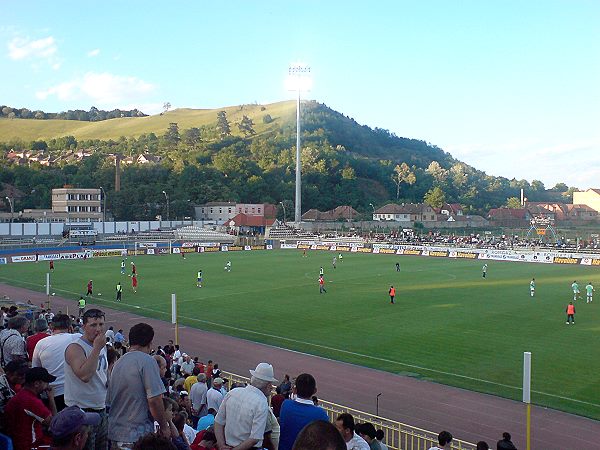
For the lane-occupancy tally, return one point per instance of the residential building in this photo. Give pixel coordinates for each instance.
(221, 212)
(407, 212)
(509, 217)
(591, 198)
(258, 210)
(218, 212)
(77, 204)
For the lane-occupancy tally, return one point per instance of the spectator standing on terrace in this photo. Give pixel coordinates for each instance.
(319, 434)
(198, 399)
(191, 379)
(505, 443)
(26, 430)
(90, 288)
(13, 377)
(110, 334)
(70, 428)
(208, 371)
(120, 337)
(379, 434)
(135, 392)
(86, 375)
(296, 414)
(41, 332)
(214, 396)
(12, 343)
(570, 313)
(242, 418)
(444, 440)
(285, 386)
(207, 421)
(50, 354)
(392, 293)
(589, 292)
(345, 425)
(482, 445)
(187, 366)
(368, 433)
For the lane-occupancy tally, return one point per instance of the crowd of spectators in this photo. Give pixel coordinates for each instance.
(75, 384)
(486, 241)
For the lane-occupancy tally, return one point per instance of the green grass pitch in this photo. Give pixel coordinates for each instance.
(448, 325)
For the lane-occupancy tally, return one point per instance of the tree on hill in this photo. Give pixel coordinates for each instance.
(223, 125)
(246, 126)
(192, 137)
(513, 203)
(166, 107)
(172, 137)
(403, 174)
(438, 173)
(435, 197)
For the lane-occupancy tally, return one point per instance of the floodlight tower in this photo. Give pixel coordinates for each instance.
(299, 79)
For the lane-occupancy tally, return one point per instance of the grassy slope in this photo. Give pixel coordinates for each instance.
(29, 129)
(449, 325)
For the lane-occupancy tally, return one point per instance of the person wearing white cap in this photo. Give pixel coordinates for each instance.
(242, 418)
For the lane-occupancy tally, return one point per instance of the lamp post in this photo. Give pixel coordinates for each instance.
(12, 208)
(371, 205)
(103, 204)
(167, 198)
(299, 79)
(283, 206)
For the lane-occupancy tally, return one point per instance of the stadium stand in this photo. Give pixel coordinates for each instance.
(200, 234)
(283, 231)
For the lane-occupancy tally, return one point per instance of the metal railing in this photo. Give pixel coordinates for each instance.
(398, 436)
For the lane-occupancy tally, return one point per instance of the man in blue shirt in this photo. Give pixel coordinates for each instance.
(296, 414)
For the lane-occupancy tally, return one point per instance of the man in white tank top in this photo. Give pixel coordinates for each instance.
(86, 372)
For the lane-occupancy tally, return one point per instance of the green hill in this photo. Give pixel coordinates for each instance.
(33, 130)
(343, 162)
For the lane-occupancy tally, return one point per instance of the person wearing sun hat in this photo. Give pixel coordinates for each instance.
(70, 428)
(242, 417)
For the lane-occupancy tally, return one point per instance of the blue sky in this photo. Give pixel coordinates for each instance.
(510, 87)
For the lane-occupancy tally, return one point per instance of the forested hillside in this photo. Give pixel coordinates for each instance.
(247, 154)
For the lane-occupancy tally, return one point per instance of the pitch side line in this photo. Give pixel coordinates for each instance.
(326, 347)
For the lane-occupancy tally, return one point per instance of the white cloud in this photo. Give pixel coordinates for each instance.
(94, 52)
(23, 48)
(574, 162)
(102, 89)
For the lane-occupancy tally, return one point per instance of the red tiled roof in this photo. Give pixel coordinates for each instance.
(242, 220)
(508, 213)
